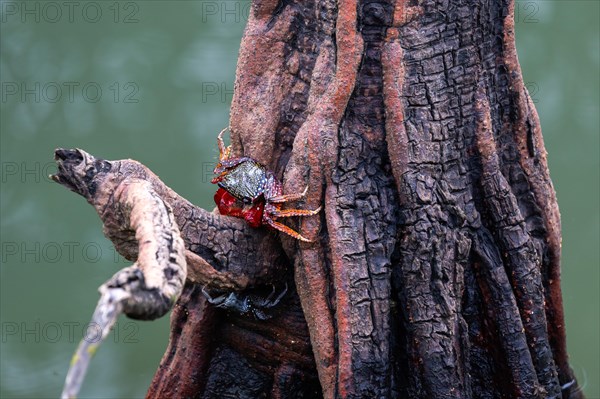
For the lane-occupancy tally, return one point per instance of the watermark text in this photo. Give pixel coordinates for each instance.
(55, 252)
(66, 331)
(225, 11)
(68, 92)
(52, 12)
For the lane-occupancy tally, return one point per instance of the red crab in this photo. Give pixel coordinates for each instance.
(249, 191)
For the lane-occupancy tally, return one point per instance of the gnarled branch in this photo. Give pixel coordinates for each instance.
(136, 209)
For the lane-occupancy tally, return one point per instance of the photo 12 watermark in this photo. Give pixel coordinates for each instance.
(221, 92)
(527, 12)
(69, 92)
(66, 252)
(53, 12)
(65, 331)
(533, 89)
(27, 172)
(225, 11)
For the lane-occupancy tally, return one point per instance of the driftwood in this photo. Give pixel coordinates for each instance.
(434, 270)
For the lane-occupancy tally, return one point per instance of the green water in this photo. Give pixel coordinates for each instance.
(156, 77)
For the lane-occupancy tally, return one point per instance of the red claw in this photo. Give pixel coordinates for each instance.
(230, 206)
(226, 204)
(254, 215)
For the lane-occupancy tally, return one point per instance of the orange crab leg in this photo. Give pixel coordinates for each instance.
(278, 199)
(283, 213)
(287, 230)
(224, 152)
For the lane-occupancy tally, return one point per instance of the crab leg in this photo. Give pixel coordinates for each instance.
(278, 299)
(282, 213)
(224, 152)
(285, 229)
(278, 199)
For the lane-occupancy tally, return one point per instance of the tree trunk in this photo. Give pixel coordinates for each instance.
(435, 266)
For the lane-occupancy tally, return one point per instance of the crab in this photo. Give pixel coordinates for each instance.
(249, 191)
(245, 304)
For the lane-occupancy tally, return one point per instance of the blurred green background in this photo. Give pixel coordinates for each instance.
(153, 81)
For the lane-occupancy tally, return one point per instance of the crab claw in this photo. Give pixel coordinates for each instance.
(217, 179)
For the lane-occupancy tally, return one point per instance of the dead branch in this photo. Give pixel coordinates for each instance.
(136, 210)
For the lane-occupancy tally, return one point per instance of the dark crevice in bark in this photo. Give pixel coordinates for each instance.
(281, 5)
(485, 356)
(299, 58)
(191, 346)
(516, 356)
(365, 198)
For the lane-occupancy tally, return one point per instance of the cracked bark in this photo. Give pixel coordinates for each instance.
(435, 266)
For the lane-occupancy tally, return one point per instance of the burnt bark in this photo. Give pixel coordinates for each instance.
(434, 270)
